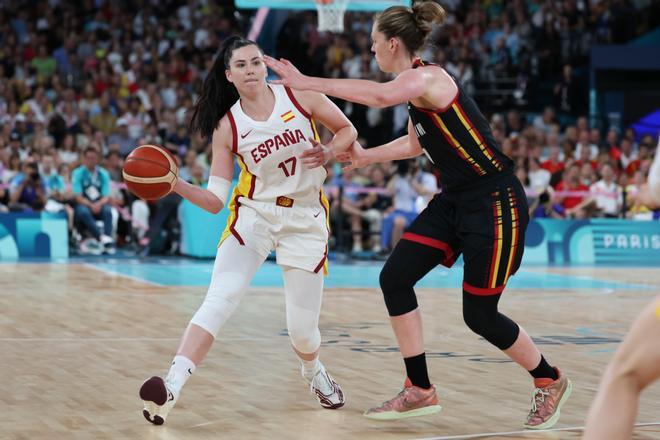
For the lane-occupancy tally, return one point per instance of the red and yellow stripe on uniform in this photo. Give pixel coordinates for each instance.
(497, 242)
(478, 139)
(457, 146)
(244, 188)
(326, 208)
(515, 222)
(286, 117)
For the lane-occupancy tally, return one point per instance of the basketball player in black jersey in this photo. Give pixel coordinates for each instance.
(481, 212)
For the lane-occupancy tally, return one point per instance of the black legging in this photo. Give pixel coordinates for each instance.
(410, 262)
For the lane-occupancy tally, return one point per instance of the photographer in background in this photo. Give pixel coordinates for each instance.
(27, 191)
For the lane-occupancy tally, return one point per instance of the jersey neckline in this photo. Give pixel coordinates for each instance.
(239, 109)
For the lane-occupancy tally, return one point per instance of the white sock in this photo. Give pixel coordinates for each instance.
(310, 368)
(180, 371)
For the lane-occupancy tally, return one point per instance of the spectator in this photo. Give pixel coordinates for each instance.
(539, 178)
(374, 204)
(113, 164)
(91, 187)
(636, 208)
(626, 153)
(566, 92)
(121, 140)
(403, 188)
(16, 146)
(584, 143)
(545, 121)
(11, 170)
(104, 119)
(68, 152)
(27, 191)
(572, 193)
(606, 193)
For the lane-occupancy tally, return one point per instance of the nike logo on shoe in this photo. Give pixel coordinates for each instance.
(243, 136)
(317, 214)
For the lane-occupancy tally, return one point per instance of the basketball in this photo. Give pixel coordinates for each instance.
(150, 172)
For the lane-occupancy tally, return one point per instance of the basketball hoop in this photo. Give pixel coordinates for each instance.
(331, 15)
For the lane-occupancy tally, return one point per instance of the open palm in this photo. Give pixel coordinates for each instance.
(289, 75)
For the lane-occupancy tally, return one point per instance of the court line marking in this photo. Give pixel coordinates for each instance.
(526, 432)
(130, 277)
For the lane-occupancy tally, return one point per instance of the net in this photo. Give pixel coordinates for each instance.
(331, 15)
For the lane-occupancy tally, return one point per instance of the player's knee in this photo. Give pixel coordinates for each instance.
(393, 279)
(397, 290)
(477, 319)
(305, 340)
(303, 326)
(483, 318)
(219, 304)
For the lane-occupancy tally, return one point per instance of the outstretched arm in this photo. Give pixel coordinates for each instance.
(404, 147)
(328, 114)
(222, 171)
(408, 85)
(320, 108)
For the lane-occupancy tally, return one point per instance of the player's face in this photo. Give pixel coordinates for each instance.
(380, 46)
(247, 69)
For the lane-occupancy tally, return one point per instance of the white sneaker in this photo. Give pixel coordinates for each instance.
(108, 244)
(90, 246)
(106, 239)
(327, 391)
(158, 400)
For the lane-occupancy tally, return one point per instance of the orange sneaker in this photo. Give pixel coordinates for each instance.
(412, 401)
(547, 400)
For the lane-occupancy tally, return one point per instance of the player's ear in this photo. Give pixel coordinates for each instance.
(228, 75)
(394, 43)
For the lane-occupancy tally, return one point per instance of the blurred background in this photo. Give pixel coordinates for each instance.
(571, 88)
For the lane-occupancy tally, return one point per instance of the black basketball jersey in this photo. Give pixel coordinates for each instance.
(458, 140)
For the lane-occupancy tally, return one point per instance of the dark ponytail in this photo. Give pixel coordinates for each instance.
(218, 94)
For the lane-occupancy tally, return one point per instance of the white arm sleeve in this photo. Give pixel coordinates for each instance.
(219, 187)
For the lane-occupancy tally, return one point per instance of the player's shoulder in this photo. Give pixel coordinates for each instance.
(304, 100)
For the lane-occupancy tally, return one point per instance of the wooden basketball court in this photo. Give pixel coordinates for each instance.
(77, 342)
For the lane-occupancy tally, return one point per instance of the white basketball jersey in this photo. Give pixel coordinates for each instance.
(268, 152)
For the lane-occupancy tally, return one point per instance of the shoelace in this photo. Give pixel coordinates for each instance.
(538, 397)
(401, 393)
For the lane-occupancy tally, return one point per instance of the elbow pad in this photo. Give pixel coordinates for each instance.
(219, 187)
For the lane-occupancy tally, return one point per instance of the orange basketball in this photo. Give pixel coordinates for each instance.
(150, 172)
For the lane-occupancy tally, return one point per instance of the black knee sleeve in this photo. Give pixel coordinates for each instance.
(397, 289)
(481, 315)
(407, 264)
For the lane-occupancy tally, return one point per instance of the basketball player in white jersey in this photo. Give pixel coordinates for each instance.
(277, 205)
(636, 363)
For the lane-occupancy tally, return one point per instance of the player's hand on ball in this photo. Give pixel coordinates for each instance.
(316, 156)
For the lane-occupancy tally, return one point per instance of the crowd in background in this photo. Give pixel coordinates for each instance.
(83, 83)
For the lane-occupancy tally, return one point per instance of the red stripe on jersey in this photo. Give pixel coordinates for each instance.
(232, 228)
(296, 103)
(234, 133)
